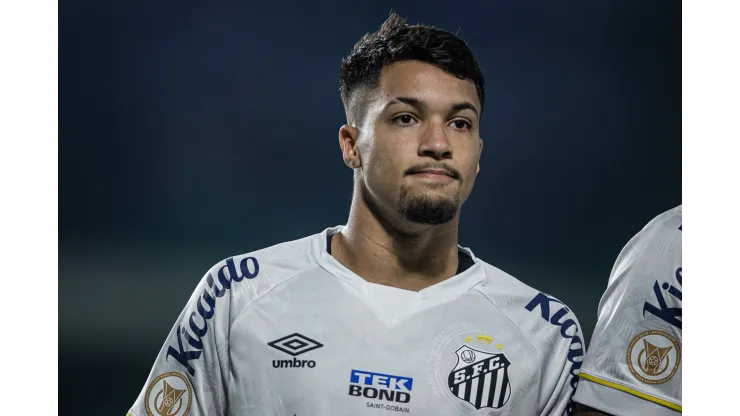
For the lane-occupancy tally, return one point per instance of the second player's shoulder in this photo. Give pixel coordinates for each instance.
(657, 246)
(662, 233)
(666, 226)
(667, 221)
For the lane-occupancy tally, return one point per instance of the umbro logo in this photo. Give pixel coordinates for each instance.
(295, 345)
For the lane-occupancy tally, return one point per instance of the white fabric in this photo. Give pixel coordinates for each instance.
(618, 403)
(643, 294)
(479, 338)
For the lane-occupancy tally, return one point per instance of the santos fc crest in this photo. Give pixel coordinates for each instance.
(480, 378)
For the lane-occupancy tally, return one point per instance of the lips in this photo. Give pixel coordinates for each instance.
(434, 175)
(435, 172)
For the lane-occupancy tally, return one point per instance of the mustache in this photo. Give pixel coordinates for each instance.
(449, 170)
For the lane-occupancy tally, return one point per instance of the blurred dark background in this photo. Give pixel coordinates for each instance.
(192, 131)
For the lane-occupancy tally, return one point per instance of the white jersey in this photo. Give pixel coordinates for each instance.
(634, 362)
(288, 330)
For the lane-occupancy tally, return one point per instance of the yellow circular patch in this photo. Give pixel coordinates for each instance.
(170, 394)
(654, 356)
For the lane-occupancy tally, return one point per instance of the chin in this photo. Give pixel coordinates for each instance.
(434, 196)
(428, 208)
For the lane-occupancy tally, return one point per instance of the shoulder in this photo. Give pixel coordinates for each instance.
(270, 264)
(668, 220)
(544, 320)
(542, 317)
(661, 230)
(666, 225)
(656, 245)
(246, 277)
(502, 284)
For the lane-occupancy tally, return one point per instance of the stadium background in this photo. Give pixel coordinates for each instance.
(192, 131)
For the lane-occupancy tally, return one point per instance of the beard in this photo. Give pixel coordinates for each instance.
(425, 209)
(420, 209)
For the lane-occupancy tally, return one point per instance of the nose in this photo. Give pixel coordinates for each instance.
(434, 142)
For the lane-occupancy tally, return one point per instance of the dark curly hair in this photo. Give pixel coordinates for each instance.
(397, 41)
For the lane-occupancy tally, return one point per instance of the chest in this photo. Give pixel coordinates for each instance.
(337, 355)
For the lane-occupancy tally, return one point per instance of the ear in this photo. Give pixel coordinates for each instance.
(480, 153)
(348, 143)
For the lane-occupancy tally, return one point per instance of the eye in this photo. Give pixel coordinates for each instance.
(404, 120)
(461, 124)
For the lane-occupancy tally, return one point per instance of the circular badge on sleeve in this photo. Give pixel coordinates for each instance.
(653, 356)
(170, 394)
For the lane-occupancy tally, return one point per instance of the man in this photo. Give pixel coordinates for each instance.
(387, 313)
(634, 362)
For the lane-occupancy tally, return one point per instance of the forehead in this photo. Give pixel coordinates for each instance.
(426, 82)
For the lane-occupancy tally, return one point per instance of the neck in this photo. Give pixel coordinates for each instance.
(410, 258)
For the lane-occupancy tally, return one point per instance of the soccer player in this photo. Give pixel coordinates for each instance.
(387, 313)
(634, 362)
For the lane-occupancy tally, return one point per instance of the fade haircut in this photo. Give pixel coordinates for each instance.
(397, 41)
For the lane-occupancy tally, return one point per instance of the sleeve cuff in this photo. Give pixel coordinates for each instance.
(619, 400)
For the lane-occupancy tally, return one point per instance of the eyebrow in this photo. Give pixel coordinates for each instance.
(462, 106)
(414, 102)
(421, 106)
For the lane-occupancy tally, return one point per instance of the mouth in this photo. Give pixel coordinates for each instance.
(434, 174)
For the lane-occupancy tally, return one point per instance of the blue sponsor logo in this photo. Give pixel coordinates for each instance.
(367, 378)
(666, 309)
(568, 330)
(205, 308)
(380, 386)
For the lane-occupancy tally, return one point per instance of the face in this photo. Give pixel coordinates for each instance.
(416, 151)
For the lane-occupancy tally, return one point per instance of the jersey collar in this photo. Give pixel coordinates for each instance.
(450, 288)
